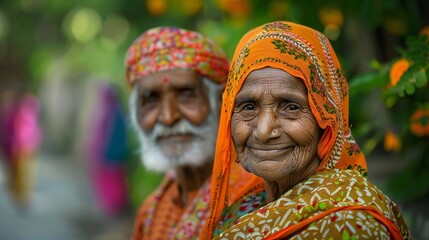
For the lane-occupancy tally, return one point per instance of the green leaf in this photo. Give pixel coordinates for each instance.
(363, 82)
(409, 89)
(390, 100)
(427, 72)
(370, 144)
(375, 64)
(421, 79)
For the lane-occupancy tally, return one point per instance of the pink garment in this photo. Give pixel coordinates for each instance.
(28, 134)
(20, 138)
(106, 151)
(20, 130)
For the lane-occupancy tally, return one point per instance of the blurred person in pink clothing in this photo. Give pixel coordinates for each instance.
(20, 139)
(106, 148)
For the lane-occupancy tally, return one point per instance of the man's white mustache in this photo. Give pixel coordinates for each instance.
(182, 127)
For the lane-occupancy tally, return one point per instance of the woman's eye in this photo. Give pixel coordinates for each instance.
(291, 110)
(245, 111)
(292, 107)
(248, 107)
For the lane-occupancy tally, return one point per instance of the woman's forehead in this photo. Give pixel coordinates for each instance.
(272, 77)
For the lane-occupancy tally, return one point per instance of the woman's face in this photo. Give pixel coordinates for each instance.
(273, 129)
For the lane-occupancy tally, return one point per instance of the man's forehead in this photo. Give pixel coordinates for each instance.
(175, 77)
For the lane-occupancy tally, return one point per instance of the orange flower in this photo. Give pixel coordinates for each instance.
(397, 70)
(156, 7)
(425, 30)
(278, 9)
(191, 7)
(391, 142)
(239, 9)
(419, 125)
(331, 16)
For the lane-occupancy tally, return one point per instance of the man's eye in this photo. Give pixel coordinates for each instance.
(148, 99)
(187, 93)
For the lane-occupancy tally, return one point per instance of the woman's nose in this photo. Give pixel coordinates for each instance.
(266, 126)
(169, 112)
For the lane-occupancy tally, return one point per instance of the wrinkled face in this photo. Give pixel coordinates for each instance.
(172, 111)
(170, 96)
(273, 129)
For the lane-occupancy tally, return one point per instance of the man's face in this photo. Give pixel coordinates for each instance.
(170, 96)
(176, 124)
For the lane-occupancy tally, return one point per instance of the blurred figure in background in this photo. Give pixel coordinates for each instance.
(106, 148)
(177, 78)
(20, 139)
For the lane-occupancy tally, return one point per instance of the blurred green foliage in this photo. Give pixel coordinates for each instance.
(89, 38)
(404, 88)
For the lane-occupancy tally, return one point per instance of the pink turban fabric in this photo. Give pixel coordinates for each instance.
(166, 48)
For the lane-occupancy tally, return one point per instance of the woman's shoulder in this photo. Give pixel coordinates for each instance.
(340, 199)
(336, 188)
(333, 179)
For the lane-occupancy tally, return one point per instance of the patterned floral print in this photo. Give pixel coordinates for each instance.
(194, 217)
(161, 218)
(247, 204)
(165, 48)
(345, 190)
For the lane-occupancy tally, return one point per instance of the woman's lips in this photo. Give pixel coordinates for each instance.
(273, 153)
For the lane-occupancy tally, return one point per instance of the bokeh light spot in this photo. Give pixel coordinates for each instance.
(332, 32)
(83, 24)
(115, 30)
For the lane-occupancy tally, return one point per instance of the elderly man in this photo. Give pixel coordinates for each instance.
(177, 78)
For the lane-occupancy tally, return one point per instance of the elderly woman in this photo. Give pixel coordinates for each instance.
(285, 119)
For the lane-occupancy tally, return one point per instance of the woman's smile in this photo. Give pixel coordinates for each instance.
(273, 153)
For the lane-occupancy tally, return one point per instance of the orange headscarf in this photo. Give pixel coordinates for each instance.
(303, 53)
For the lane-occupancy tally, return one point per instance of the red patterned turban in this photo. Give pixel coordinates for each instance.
(166, 48)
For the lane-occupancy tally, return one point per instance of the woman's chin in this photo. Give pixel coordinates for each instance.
(268, 170)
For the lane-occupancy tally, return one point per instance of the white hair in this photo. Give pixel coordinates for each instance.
(199, 151)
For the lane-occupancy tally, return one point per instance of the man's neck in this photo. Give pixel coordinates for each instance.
(191, 178)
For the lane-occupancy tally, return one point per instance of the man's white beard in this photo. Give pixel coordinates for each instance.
(196, 152)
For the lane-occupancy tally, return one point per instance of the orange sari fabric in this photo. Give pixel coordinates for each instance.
(303, 53)
(162, 216)
(330, 204)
